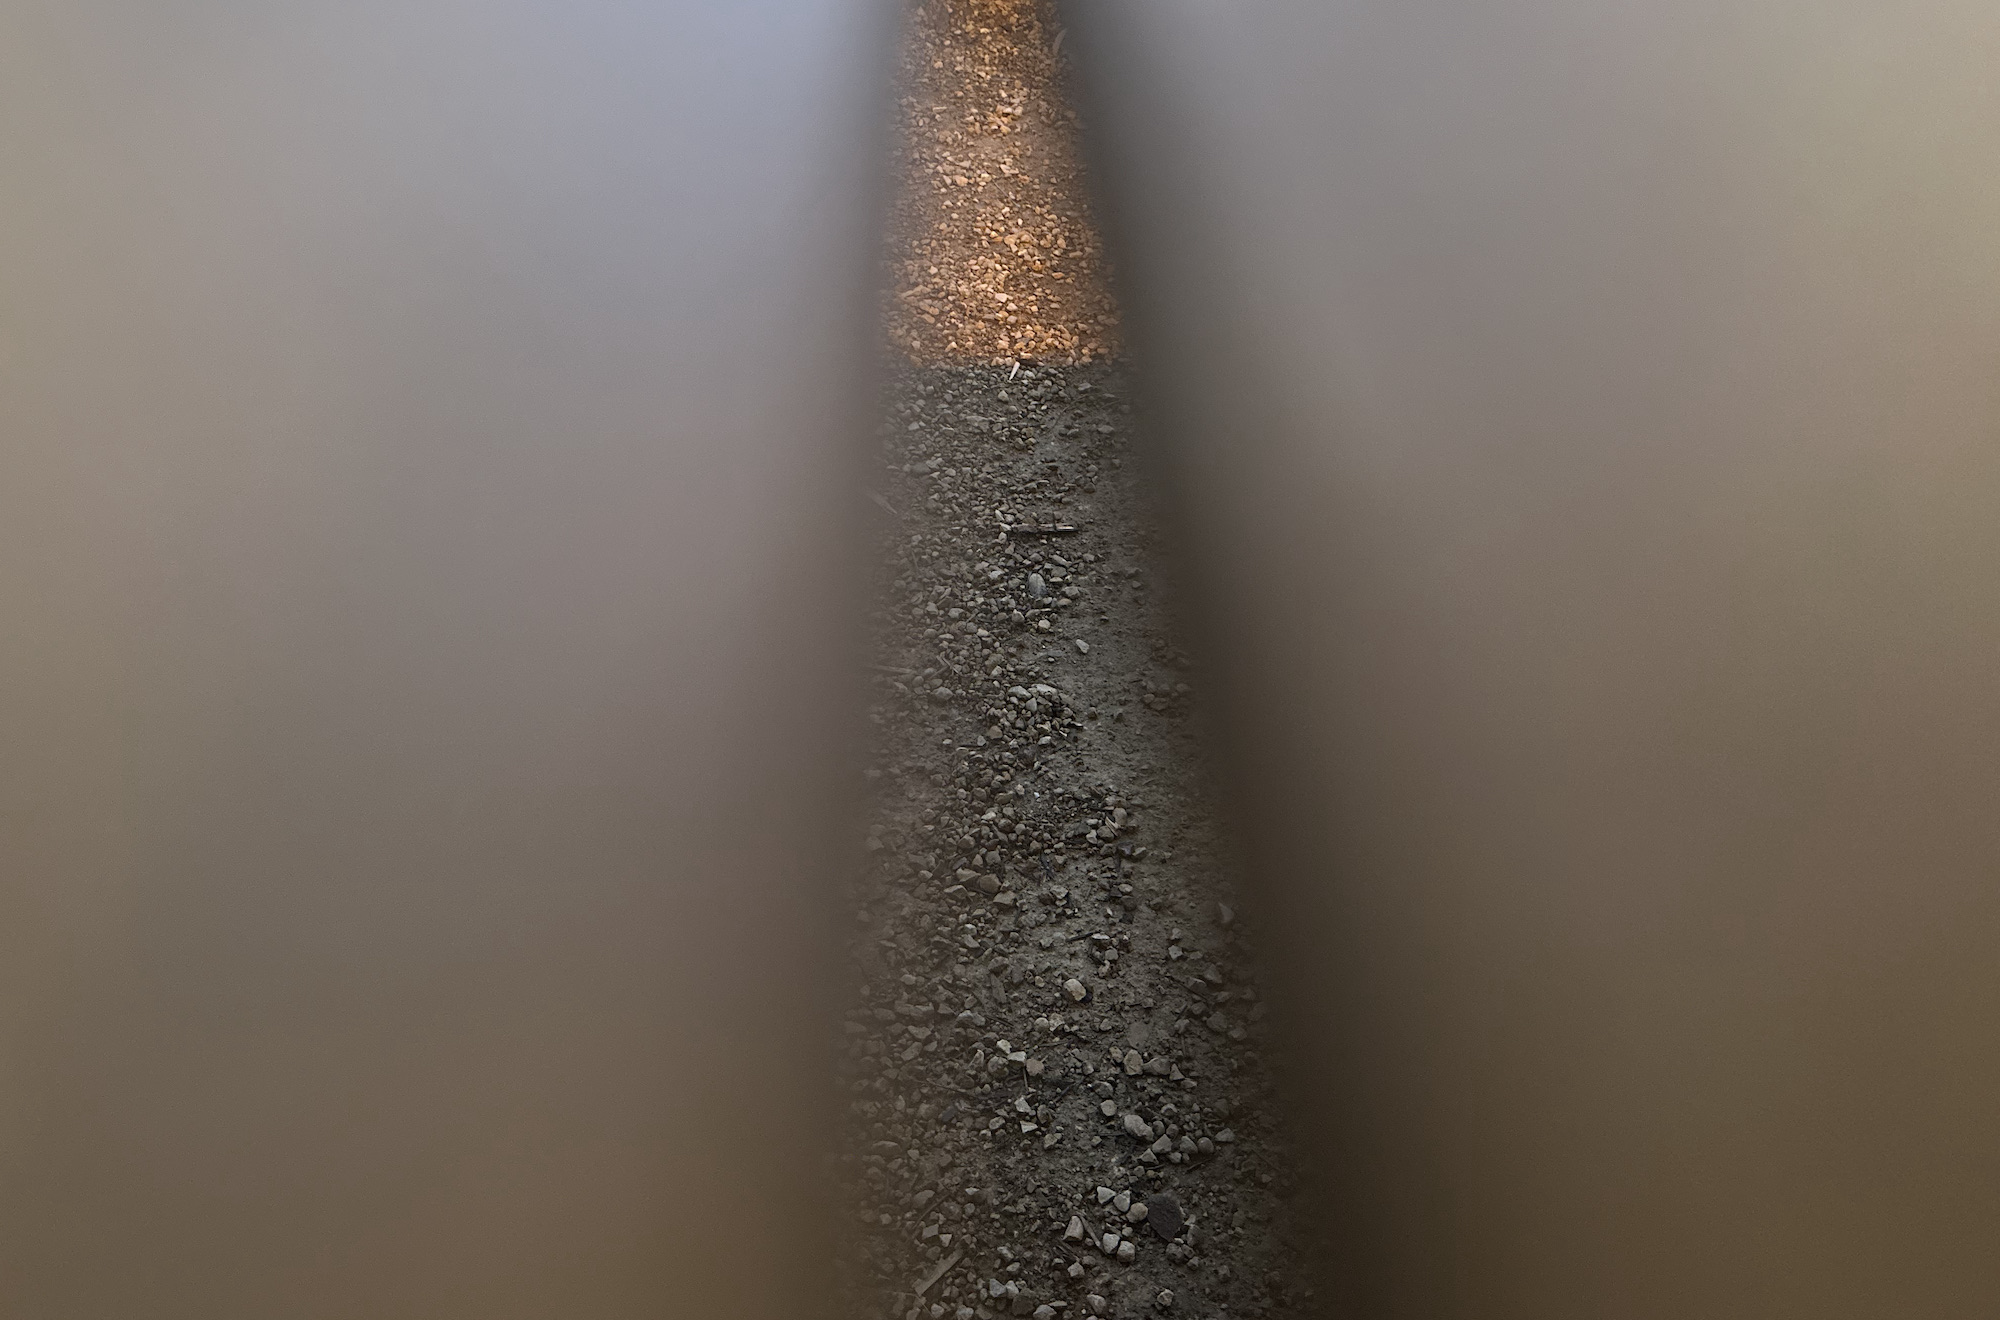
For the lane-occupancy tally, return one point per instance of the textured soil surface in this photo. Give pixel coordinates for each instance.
(1054, 1064)
(992, 256)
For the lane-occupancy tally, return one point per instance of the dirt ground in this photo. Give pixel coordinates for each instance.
(1055, 1064)
(992, 254)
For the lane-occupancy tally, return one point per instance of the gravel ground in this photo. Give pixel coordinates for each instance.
(1056, 1062)
(992, 255)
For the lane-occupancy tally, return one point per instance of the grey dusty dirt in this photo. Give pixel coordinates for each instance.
(1054, 1064)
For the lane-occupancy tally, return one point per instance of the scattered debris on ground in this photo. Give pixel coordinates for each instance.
(1054, 1066)
(992, 254)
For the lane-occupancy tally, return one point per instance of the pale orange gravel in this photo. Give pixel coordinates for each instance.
(992, 253)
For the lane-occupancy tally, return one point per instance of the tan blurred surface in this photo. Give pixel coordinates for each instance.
(1585, 422)
(420, 643)
(414, 687)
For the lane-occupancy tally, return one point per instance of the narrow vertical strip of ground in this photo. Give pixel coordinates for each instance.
(1055, 1064)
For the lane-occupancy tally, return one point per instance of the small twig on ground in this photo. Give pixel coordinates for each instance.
(938, 1271)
